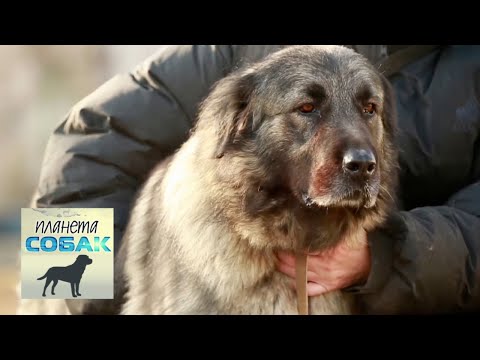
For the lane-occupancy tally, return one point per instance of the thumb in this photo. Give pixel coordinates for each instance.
(315, 289)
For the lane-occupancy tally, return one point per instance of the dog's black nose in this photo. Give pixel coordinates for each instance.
(359, 163)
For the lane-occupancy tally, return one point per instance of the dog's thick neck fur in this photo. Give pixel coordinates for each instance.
(214, 213)
(202, 210)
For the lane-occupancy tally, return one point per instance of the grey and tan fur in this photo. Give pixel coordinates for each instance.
(256, 176)
(205, 227)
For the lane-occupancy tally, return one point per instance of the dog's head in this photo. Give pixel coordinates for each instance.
(84, 260)
(320, 119)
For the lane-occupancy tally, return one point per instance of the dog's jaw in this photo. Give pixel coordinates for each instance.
(342, 195)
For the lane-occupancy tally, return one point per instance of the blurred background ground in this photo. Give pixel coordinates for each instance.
(38, 86)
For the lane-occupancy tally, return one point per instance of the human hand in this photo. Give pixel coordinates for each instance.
(332, 269)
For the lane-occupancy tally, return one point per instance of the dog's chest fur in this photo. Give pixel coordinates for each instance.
(191, 262)
(224, 282)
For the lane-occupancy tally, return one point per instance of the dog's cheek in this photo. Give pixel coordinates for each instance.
(302, 130)
(322, 179)
(291, 152)
(262, 200)
(325, 152)
(378, 133)
(273, 143)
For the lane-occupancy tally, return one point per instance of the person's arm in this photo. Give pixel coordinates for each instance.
(427, 260)
(100, 154)
(108, 143)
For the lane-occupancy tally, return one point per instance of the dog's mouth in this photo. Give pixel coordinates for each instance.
(348, 198)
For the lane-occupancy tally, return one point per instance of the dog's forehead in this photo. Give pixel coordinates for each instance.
(338, 70)
(337, 52)
(315, 50)
(321, 62)
(319, 55)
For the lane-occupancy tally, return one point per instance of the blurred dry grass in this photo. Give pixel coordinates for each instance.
(39, 86)
(8, 280)
(9, 274)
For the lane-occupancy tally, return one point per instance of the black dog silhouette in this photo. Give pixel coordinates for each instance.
(72, 274)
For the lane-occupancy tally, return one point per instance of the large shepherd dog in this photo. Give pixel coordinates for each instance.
(290, 153)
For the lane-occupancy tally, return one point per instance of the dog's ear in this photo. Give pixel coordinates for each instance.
(228, 110)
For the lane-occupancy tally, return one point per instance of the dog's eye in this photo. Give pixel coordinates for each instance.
(307, 108)
(369, 109)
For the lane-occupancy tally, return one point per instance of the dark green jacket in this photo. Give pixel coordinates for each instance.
(427, 259)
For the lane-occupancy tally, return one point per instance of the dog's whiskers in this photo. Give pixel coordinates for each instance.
(386, 190)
